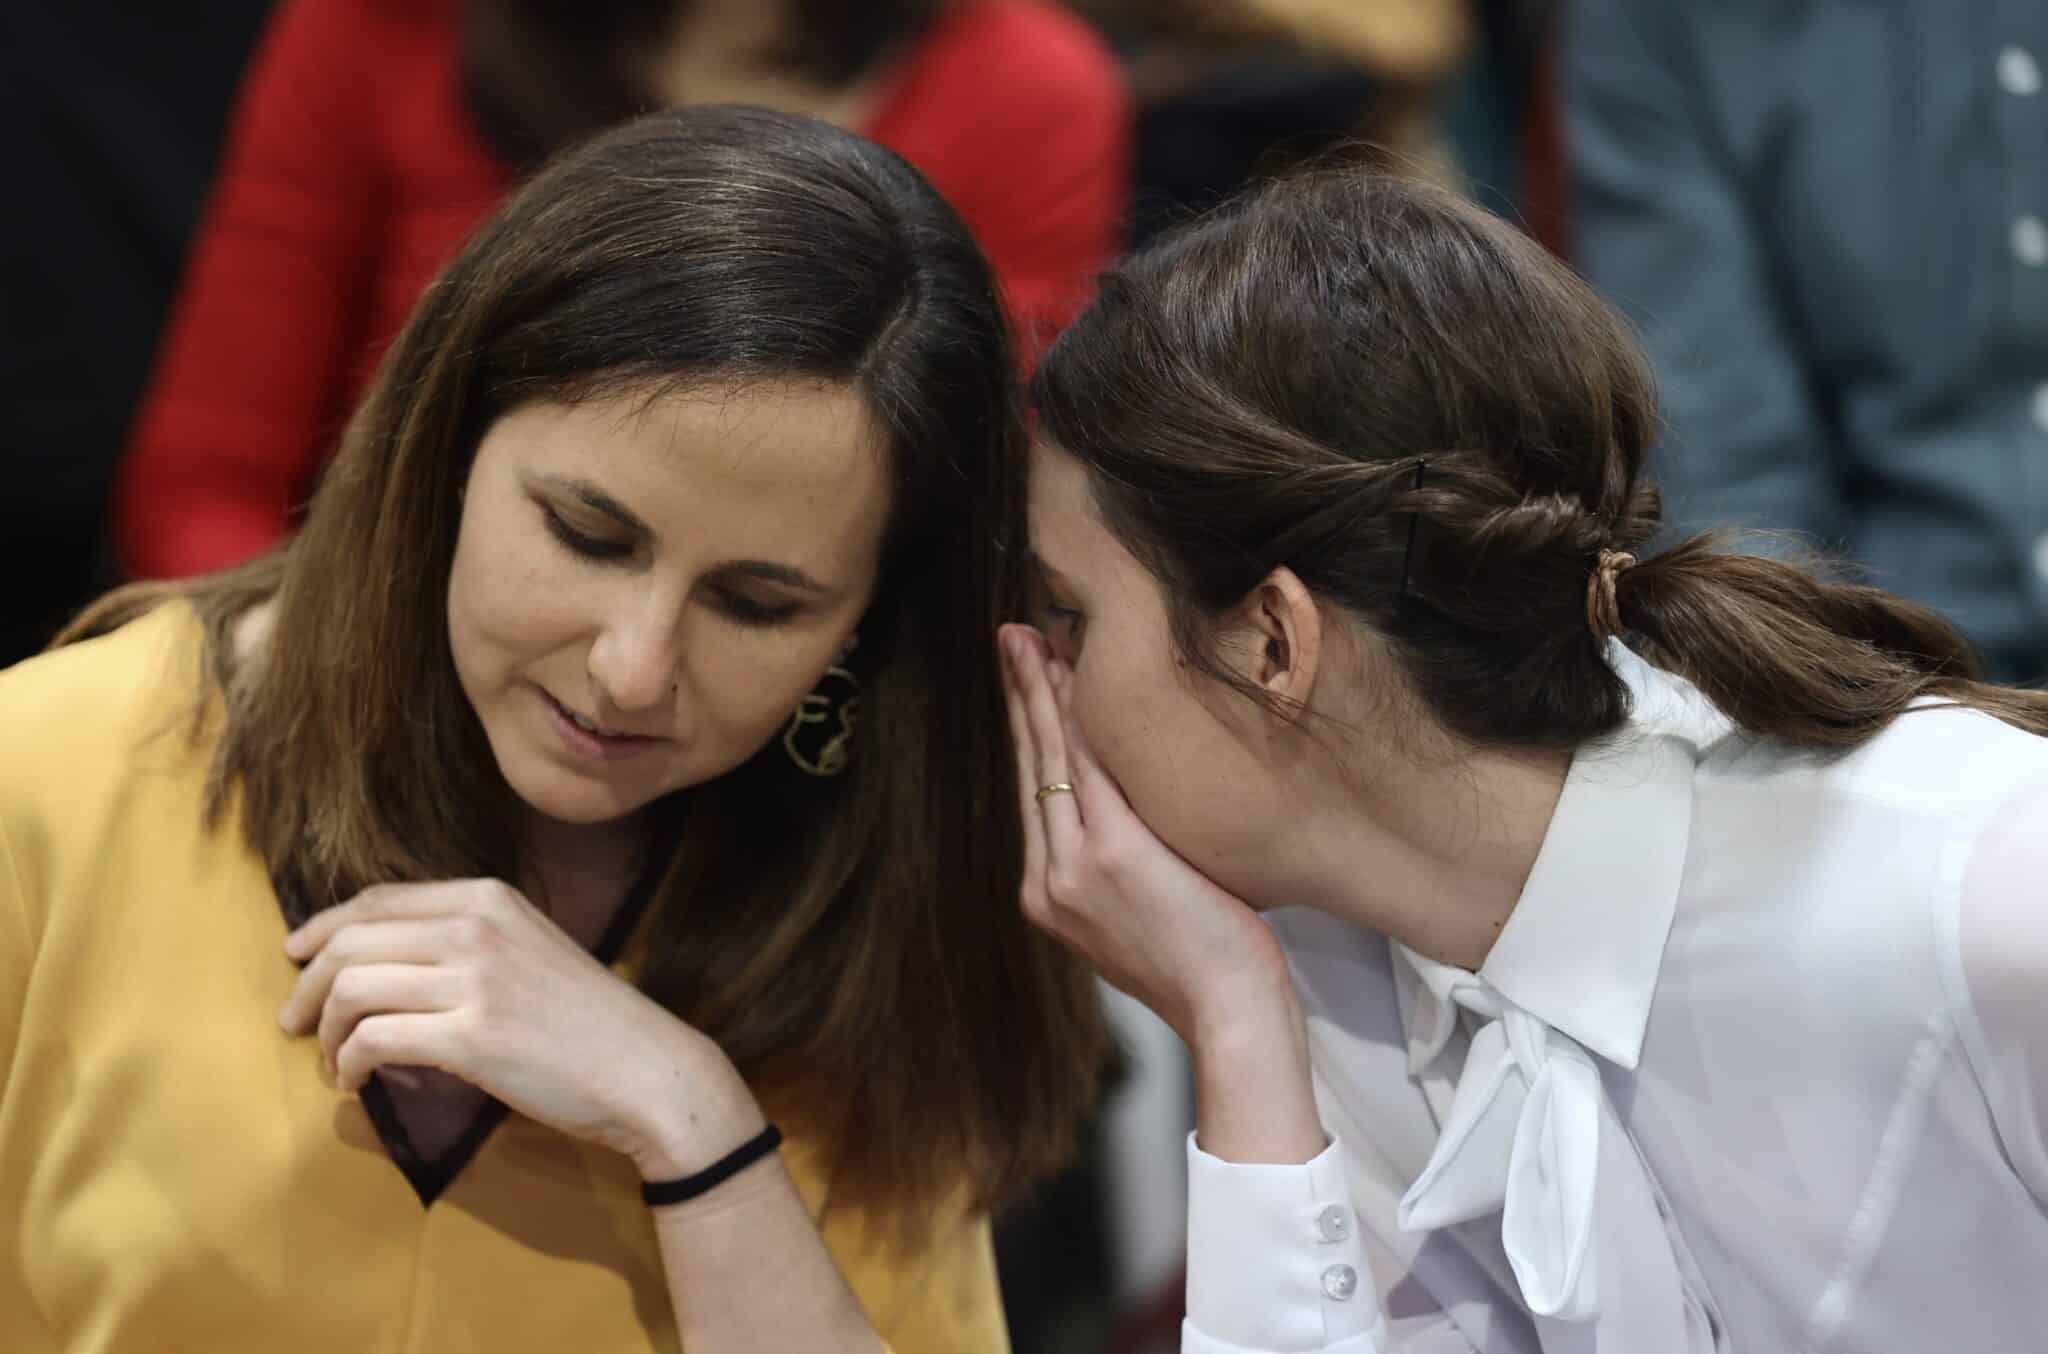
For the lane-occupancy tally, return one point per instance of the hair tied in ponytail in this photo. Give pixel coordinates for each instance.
(1603, 607)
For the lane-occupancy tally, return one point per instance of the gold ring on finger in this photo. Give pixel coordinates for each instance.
(1058, 787)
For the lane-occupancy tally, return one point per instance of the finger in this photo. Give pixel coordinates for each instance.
(1027, 790)
(1013, 701)
(394, 902)
(382, 989)
(384, 942)
(1060, 812)
(397, 1039)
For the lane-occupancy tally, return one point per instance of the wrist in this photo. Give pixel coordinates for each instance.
(1254, 1092)
(699, 1110)
(1243, 1017)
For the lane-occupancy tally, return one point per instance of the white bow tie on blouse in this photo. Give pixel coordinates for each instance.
(1529, 1133)
(1522, 1140)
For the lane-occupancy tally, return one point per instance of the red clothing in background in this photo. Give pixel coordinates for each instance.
(353, 174)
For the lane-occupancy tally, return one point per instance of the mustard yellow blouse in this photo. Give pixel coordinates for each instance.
(174, 1172)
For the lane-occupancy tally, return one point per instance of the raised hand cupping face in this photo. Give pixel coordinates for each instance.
(1103, 883)
(1099, 880)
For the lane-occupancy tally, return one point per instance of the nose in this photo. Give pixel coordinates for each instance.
(634, 661)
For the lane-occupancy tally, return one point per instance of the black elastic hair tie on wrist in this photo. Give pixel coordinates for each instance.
(686, 1187)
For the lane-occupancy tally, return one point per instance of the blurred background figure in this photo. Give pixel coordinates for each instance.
(1830, 218)
(1231, 89)
(371, 136)
(1504, 120)
(114, 111)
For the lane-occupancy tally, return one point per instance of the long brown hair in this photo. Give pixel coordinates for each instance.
(1439, 429)
(851, 942)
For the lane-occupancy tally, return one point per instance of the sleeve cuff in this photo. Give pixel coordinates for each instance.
(1275, 1265)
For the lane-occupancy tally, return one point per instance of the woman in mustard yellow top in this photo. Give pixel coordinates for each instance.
(407, 940)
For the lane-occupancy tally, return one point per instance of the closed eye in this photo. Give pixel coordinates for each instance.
(580, 542)
(752, 611)
(1065, 628)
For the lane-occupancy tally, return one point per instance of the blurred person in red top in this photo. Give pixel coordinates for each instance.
(372, 135)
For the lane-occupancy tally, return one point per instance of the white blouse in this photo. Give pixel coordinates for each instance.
(1759, 1063)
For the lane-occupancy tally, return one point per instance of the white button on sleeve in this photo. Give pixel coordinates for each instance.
(1265, 1273)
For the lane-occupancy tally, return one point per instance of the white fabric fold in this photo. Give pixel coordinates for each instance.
(1522, 1140)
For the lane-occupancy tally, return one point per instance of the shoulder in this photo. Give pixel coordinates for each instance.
(1946, 760)
(2003, 927)
(1937, 763)
(1842, 874)
(78, 710)
(1869, 853)
(1999, 971)
(1877, 838)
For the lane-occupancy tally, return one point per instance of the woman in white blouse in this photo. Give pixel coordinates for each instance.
(1577, 952)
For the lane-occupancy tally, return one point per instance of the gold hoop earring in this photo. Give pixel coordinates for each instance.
(819, 739)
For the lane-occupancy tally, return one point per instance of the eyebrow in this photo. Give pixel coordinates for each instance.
(597, 500)
(762, 570)
(768, 571)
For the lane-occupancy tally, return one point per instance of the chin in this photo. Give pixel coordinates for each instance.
(567, 798)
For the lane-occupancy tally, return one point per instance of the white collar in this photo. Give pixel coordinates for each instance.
(1582, 950)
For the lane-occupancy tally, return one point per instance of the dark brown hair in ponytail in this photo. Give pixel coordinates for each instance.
(1340, 364)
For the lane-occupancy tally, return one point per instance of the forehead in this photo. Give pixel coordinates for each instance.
(788, 468)
(1063, 516)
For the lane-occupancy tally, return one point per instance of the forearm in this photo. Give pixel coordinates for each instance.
(1254, 1096)
(748, 1271)
(746, 1267)
(1276, 1257)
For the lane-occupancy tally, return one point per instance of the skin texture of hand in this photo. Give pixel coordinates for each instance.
(469, 977)
(1098, 880)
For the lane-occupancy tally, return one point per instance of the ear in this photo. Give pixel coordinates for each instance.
(1280, 629)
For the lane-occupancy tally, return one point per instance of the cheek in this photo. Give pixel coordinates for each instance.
(1135, 716)
(1182, 771)
(508, 601)
(748, 685)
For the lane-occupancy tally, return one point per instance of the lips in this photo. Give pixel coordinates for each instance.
(588, 738)
(580, 722)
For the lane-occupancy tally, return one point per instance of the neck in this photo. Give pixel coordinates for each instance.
(1434, 857)
(581, 872)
